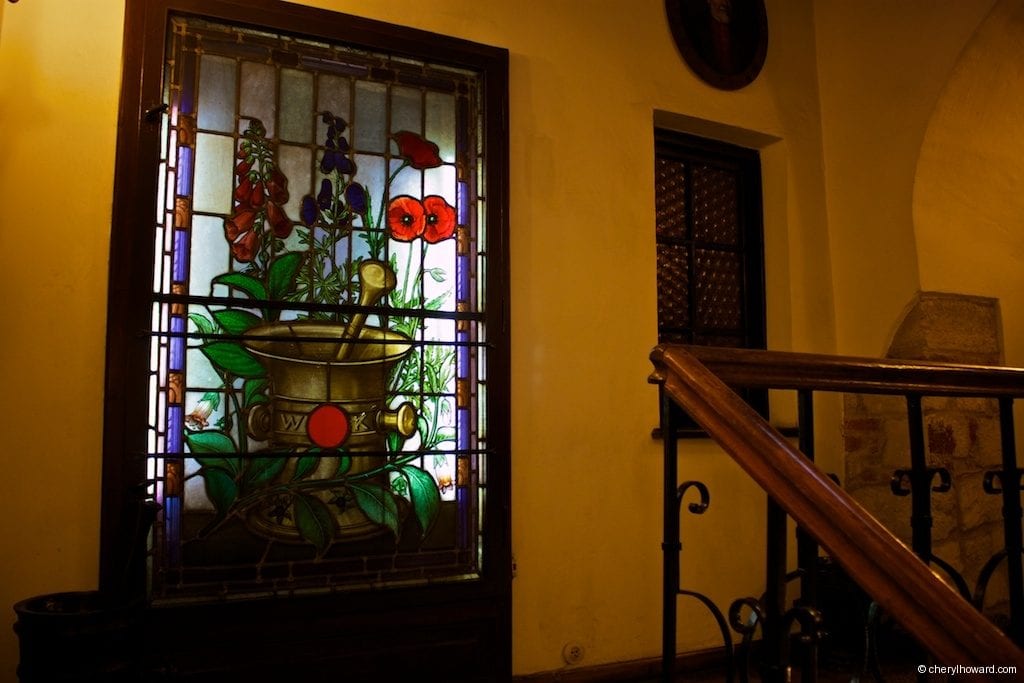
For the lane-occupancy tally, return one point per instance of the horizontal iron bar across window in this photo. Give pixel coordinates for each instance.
(306, 339)
(331, 452)
(384, 311)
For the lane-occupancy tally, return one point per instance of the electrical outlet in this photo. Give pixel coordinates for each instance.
(572, 653)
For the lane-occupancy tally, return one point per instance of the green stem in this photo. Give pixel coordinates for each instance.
(387, 188)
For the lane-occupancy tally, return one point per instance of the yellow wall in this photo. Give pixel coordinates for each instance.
(588, 80)
(881, 66)
(968, 204)
(59, 76)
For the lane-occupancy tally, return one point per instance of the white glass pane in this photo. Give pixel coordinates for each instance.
(214, 173)
(296, 105)
(259, 95)
(210, 254)
(368, 128)
(406, 112)
(441, 123)
(216, 109)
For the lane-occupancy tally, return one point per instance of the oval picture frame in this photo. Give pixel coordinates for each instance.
(724, 42)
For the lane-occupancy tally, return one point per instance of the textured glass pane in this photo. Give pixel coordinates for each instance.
(258, 94)
(440, 181)
(369, 127)
(295, 163)
(209, 255)
(406, 109)
(409, 181)
(335, 96)
(673, 286)
(715, 205)
(441, 123)
(213, 175)
(296, 105)
(216, 93)
(670, 198)
(438, 285)
(719, 289)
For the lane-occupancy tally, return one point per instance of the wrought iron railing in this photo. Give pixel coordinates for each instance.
(899, 580)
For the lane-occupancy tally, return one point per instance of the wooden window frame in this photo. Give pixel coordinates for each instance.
(431, 625)
(747, 165)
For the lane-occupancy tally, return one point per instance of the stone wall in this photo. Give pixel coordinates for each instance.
(961, 435)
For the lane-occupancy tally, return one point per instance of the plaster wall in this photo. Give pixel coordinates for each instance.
(967, 203)
(882, 67)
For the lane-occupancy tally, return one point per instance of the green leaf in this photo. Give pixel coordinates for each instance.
(233, 358)
(315, 522)
(436, 274)
(394, 441)
(203, 324)
(378, 505)
(247, 283)
(305, 465)
(264, 469)
(435, 303)
(344, 464)
(254, 391)
(281, 276)
(229, 465)
(210, 441)
(236, 322)
(221, 489)
(426, 499)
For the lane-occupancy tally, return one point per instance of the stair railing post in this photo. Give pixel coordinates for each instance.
(774, 631)
(920, 482)
(806, 547)
(670, 545)
(1011, 485)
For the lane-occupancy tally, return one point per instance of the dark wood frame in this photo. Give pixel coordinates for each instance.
(747, 165)
(746, 41)
(340, 634)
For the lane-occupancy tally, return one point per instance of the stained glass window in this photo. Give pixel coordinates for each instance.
(317, 396)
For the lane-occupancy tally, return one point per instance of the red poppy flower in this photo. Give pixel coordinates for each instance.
(418, 151)
(405, 218)
(439, 219)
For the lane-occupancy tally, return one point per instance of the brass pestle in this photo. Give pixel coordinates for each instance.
(376, 279)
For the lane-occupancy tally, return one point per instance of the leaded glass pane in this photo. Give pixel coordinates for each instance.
(719, 290)
(715, 205)
(317, 395)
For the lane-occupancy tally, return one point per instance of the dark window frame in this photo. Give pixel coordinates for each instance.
(474, 615)
(746, 164)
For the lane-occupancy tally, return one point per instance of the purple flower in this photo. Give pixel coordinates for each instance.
(326, 195)
(309, 211)
(355, 195)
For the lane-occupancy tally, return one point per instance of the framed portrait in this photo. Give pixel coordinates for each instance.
(723, 41)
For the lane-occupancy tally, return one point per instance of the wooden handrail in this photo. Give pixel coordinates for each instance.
(942, 622)
(788, 370)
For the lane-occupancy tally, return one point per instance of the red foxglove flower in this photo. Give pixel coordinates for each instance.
(279, 221)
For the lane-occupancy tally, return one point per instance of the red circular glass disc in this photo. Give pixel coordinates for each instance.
(327, 426)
